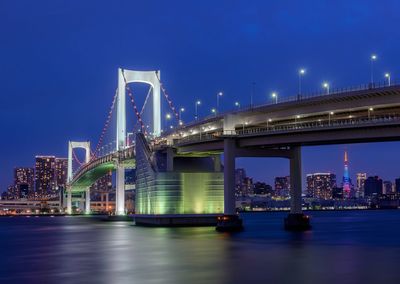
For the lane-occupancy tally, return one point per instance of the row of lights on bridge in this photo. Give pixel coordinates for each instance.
(274, 95)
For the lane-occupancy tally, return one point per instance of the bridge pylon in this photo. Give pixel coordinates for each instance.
(124, 77)
(71, 146)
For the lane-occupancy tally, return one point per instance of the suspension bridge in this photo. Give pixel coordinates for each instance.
(181, 173)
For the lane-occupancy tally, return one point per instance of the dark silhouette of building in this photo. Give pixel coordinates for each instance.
(24, 179)
(373, 186)
(387, 187)
(261, 188)
(397, 182)
(337, 192)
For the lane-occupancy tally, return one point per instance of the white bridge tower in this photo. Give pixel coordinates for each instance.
(124, 77)
(71, 146)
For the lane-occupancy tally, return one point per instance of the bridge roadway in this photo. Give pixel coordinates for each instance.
(275, 130)
(351, 117)
(100, 166)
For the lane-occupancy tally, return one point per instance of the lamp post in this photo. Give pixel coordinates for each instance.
(373, 58)
(296, 118)
(301, 73)
(182, 109)
(196, 104)
(329, 117)
(219, 94)
(214, 111)
(268, 121)
(387, 76)
(168, 117)
(369, 112)
(275, 96)
(325, 85)
(243, 124)
(237, 104)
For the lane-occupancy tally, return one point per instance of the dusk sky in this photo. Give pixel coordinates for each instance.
(59, 60)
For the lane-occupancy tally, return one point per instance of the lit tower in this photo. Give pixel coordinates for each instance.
(346, 178)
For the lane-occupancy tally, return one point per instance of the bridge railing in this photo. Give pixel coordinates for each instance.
(316, 125)
(319, 93)
(321, 125)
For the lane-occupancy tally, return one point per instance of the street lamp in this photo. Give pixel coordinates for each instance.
(237, 104)
(214, 111)
(387, 75)
(243, 124)
(168, 117)
(329, 117)
(296, 118)
(182, 109)
(196, 104)
(219, 94)
(275, 96)
(268, 121)
(326, 86)
(369, 112)
(301, 73)
(373, 58)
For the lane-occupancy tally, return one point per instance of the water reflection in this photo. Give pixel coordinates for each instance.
(346, 246)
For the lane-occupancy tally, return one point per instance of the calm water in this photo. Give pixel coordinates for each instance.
(345, 247)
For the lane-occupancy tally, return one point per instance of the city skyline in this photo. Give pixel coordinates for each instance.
(269, 180)
(87, 79)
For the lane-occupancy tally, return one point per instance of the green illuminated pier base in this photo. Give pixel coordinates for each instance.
(174, 190)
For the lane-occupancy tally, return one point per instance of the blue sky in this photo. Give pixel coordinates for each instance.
(59, 60)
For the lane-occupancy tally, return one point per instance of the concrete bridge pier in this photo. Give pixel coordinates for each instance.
(230, 221)
(87, 201)
(120, 189)
(296, 220)
(69, 200)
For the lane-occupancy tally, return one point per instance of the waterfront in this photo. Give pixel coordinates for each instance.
(344, 246)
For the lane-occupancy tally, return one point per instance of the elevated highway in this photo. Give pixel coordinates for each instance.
(366, 114)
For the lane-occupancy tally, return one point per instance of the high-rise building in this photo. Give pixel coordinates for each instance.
(320, 185)
(361, 177)
(387, 187)
(23, 182)
(282, 186)
(247, 186)
(103, 184)
(45, 181)
(61, 169)
(373, 186)
(240, 176)
(346, 177)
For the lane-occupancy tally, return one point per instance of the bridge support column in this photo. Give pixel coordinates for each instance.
(217, 163)
(230, 221)
(296, 220)
(107, 209)
(87, 201)
(120, 190)
(69, 200)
